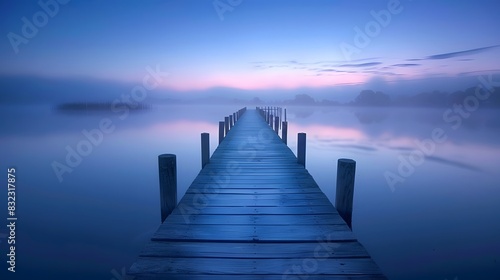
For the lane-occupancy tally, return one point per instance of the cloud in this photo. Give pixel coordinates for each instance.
(382, 73)
(317, 68)
(368, 64)
(295, 63)
(460, 53)
(406, 64)
(334, 70)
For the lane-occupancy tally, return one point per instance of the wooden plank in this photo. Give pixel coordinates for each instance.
(253, 266)
(331, 219)
(223, 183)
(307, 276)
(322, 249)
(220, 202)
(252, 233)
(299, 196)
(246, 210)
(245, 190)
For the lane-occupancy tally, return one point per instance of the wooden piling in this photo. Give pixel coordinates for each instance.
(281, 117)
(205, 149)
(301, 149)
(167, 167)
(226, 126)
(231, 123)
(277, 124)
(221, 132)
(346, 171)
(284, 132)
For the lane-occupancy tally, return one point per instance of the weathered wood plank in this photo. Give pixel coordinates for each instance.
(252, 233)
(330, 219)
(253, 266)
(246, 210)
(231, 184)
(219, 202)
(246, 190)
(215, 195)
(322, 249)
(158, 276)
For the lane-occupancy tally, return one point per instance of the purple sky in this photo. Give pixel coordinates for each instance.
(252, 44)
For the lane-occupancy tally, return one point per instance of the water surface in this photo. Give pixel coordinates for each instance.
(438, 220)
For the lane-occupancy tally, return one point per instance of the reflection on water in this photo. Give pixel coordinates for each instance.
(436, 222)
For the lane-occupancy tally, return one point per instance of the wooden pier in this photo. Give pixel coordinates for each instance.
(254, 212)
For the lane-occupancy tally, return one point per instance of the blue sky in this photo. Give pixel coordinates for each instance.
(256, 44)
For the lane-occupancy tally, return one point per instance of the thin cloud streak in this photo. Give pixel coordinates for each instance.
(461, 53)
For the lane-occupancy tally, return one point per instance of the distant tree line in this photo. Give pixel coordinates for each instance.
(429, 99)
(425, 99)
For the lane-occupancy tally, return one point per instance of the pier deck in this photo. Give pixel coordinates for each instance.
(253, 212)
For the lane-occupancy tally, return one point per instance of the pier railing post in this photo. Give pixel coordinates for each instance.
(301, 149)
(346, 171)
(281, 117)
(277, 124)
(284, 132)
(226, 126)
(231, 122)
(167, 167)
(205, 149)
(221, 131)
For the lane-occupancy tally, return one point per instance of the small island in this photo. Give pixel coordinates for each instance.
(100, 106)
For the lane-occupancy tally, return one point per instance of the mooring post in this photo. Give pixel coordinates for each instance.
(221, 132)
(277, 124)
(205, 149)
(231, 123)
(281, 117)
(346, 171)
(271, 118)
(285, 114)
(301, 149)
(167, 167)
(226, 126)
(284, 132)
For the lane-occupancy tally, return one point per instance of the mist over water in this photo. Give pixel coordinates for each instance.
(436, 221)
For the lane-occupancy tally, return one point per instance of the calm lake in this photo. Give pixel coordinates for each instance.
(426, 202)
